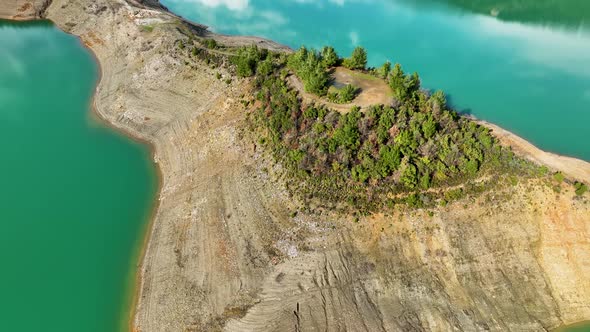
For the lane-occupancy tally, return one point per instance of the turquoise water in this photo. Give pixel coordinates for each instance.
(579, 327)
(527, 70)
(75, 196)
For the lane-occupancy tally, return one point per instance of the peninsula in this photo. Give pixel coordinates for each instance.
(237, 243)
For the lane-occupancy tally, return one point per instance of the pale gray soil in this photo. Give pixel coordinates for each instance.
(22, 9)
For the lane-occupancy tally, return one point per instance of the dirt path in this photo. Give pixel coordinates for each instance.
(374, 91)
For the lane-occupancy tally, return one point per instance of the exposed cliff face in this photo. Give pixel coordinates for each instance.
(23, 9)
(226, 253)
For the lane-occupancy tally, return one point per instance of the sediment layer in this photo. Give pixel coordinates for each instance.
(23, 9)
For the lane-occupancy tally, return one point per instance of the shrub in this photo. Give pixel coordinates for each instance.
(344, 95)
(348, 93)
(247, 59)
(558, 176)
(147, 28)
(210, 43)
(581, 188)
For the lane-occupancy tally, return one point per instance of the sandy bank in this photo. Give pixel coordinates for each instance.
(574, 168)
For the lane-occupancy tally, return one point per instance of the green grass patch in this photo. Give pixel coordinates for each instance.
(146, 28)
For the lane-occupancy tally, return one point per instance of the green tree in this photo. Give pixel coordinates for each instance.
(559, 177)
(246, 60)
(358, 59)
(329, 57)
(429, 127)
(390, 158)
(296, 60)
(315, 80)
(409, 176)
(425, 181)
(308, 65)
(397, 80)
(359, 174)
(385, 69)
(438, 101)
(265, 67)
(471, 166)
(413, 82)
(347, 135)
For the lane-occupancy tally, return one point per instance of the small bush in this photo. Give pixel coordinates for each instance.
(559, 177)
(344, 95)
(210, 43)
(147, 28)
(247, 60)
(581, 188)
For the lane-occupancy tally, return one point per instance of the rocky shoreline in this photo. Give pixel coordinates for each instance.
(23, 10)
(228, 252)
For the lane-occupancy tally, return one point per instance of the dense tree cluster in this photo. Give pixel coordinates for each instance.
(311, 67)
(247, 60)
(364, 157)
(404, 86)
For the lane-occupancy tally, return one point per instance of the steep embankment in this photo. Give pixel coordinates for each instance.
(22, 9)
(226, 252)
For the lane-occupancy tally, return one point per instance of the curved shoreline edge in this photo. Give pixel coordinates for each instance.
(573, 167)
(140, 251)
(96, 116)
(99, 118)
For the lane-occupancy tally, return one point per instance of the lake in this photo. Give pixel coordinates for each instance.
(76, 196)
(524, 65)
